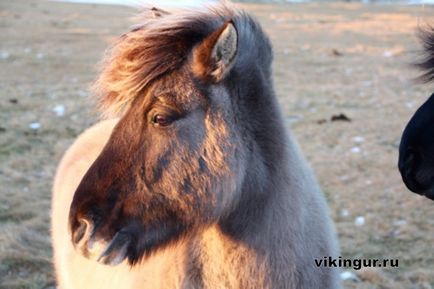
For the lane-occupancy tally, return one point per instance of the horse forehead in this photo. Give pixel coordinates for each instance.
(180, 88)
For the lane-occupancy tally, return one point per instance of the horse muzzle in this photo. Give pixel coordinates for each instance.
(85, 240)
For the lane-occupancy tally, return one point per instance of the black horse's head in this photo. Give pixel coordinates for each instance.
(416, 151)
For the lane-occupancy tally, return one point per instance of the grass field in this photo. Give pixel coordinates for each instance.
(330, 58)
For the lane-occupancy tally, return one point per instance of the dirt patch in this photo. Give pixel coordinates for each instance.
(330, 59)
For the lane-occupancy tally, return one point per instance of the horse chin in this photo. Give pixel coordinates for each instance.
(417, 185)
(429, 193)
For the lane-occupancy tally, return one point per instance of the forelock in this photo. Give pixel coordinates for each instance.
(155, 47)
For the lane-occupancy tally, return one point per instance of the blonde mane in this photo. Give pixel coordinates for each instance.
(159, 45)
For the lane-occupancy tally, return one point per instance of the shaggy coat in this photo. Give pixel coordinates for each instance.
(197, 184)
(416, 151)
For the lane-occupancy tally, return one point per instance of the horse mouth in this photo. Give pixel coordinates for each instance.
(429, 193)
(116, 250)
(111, 252)
(416, 179)
(418, 189)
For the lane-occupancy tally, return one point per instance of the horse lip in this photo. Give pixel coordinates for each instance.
(107, 253)
(93, 248)
(116, 251)
(429, 193)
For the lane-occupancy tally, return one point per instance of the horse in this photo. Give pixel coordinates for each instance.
(416, 150)
(191, 179)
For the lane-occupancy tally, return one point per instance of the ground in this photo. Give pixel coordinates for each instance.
(330, 59)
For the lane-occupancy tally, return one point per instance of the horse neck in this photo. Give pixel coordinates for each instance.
(265, 227)
(270, 196)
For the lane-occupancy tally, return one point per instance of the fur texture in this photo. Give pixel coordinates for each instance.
(198, 184)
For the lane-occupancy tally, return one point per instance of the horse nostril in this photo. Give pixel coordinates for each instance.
(79, 233)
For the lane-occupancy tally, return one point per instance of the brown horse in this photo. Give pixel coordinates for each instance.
(197, 184)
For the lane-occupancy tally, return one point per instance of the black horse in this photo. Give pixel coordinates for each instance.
(416, 151)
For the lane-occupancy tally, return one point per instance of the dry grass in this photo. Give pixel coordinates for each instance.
(330, 59)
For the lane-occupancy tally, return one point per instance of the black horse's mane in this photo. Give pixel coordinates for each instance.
(427, 63)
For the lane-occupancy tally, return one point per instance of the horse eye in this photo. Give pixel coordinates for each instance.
(161, 120)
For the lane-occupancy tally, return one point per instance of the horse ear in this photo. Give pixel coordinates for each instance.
(157, 12)
(213, 57)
